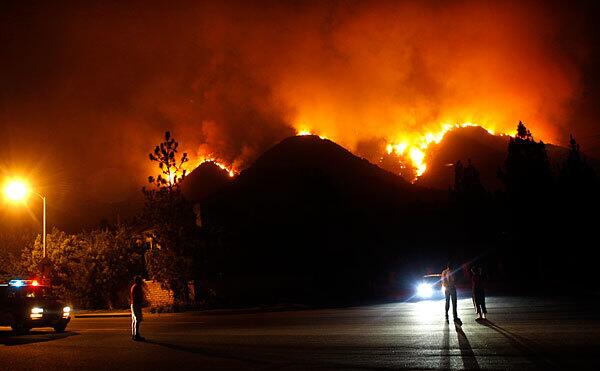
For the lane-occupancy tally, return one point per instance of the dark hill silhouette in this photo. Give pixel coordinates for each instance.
(204, 180)
(308, 169)
(298, 162)
(487, 152)
(309, 220)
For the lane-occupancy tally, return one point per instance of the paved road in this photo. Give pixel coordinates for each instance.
(521, 334)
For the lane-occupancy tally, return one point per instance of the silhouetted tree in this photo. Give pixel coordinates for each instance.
(471, 203)
(91, 269)
(467, 185)
(577, 178)
(170, 220)
(526, 172)
(459, 170)
(528, 207)
(12, 245)
(171, 169)
(579, 200)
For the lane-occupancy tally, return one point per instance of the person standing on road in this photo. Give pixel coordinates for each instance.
(450, 290)
(478, 292)
(136, 300)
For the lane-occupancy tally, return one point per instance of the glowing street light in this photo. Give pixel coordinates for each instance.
(18, 190)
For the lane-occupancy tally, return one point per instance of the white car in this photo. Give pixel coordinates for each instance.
(430, 287)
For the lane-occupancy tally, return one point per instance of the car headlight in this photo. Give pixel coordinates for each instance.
(36, 313)
(66, 312)
(424, 290)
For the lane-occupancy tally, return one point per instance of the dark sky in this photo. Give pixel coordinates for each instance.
(87, 88)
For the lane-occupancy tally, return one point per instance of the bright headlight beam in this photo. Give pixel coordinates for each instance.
(424, 290)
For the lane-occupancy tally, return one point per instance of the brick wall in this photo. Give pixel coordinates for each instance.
(156, 296)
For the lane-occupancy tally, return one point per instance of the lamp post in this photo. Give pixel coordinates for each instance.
(43, 223)
(17, 190)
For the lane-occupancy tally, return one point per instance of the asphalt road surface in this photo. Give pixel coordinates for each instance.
(522, 333)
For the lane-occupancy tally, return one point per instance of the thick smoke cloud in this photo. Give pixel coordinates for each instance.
(88, 88)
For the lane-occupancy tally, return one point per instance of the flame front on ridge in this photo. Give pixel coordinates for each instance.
(414, 148)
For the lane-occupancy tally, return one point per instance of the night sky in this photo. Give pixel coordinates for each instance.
(88, 88)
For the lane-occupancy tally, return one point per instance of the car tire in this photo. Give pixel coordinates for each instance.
(60, 328)
(20, 329)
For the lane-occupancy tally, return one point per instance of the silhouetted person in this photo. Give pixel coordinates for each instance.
(450, 290)
(478, 292)
(136, 300)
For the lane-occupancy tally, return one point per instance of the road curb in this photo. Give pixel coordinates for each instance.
(102, 315)
(226, 311)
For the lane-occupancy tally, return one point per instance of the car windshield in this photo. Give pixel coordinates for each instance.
(33, 292)
(431, 279)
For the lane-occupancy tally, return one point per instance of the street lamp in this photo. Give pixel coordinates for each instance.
(17, 190)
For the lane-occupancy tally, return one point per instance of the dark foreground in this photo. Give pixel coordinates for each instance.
(521, 334)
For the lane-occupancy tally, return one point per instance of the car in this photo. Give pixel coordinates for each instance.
(25, 304)
(430, 287)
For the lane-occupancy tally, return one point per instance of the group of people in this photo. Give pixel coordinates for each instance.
(447, 278)
(477, 284)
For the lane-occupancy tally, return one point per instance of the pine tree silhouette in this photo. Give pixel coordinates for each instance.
(526, 172)
(577, 177)
(467, 185)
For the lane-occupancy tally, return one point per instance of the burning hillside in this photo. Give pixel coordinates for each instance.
(413, 157)
(91, 87)
(408, 155)
(428, 160)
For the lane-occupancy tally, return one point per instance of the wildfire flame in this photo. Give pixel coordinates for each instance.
(303, 132)
(228, 169)
(194, 164)
(412, 148)
(415, 147)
